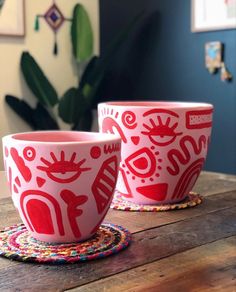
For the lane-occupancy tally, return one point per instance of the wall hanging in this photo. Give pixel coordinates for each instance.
(12, 18)
(214, 52)
(55, 19)
(213, 15)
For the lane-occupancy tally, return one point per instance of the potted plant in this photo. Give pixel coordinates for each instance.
(76, 105)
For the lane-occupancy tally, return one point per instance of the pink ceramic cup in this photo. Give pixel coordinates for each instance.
(164, 146)
(62, 182)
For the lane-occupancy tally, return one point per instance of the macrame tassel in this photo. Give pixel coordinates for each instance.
(55, 49)
(225, 74)
(36, 23)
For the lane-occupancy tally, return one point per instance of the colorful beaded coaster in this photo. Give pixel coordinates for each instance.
(17, 244)
(118, 203)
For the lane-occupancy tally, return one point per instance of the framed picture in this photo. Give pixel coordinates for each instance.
(209, 15)
(12, 18)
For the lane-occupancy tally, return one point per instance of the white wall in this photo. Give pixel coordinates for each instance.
(59, 69)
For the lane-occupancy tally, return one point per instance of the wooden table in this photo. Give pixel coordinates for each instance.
(184, 250)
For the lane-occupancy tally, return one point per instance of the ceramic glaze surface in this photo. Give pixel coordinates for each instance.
(164, 146)
(62, 183)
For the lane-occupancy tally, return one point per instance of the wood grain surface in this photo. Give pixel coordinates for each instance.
(183, 250)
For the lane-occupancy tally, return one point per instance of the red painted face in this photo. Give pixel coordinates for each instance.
(63, 171)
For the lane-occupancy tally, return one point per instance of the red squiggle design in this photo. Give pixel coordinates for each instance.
(129, 120)
(184, 158)
(24, 170)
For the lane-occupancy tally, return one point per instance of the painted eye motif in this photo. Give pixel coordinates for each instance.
(160, 133)
(63, 171)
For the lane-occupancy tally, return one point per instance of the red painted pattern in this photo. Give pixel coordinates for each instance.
(107, 127)
(135, 139)
(187, 177)
(73, 212)
(128, 193)
(161, 133)
(199, 119)
(129, 120)
(141, 163)
(40, 216)
(29, 153)
(40, 181)
(24, 170)
(36, 218)
(155, 192)
(63, 171)
(110, 148)
(175, 156)
(104, 183)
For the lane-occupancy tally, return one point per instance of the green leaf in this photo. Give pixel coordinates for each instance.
(43, 119)
(81, 34)
(72, 105)
(89, 81)
(22, 109)
(85, 122)
(85, 78)
(97, 67)
(37, 81)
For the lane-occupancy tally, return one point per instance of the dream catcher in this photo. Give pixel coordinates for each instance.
(55, 19)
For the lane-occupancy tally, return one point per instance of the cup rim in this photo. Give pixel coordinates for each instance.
(158, 104)
(93, 137)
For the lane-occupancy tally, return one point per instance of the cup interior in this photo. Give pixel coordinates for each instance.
(159, 104)
(63, 137)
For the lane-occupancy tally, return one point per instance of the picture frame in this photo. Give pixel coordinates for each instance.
(208, 15)
(12, 18)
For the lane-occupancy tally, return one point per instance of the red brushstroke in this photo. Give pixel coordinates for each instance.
(135, 139)
(155, 192)
(73, 212)
(104, 183)
(24, 170)
(107, 127)
(39, 215)
(40, 181)
(183, 186)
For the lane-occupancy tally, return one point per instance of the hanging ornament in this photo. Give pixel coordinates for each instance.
(225, 75)
(54, 19)
(213, 56)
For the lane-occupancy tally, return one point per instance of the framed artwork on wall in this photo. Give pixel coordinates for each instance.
(209, 15)
(12, 21)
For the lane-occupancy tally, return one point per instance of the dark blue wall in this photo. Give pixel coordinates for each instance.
(163, 60)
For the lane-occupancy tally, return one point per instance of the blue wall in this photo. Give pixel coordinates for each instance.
(163, 60)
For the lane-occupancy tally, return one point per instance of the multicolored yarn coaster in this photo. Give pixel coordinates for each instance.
(17, 244)
(118, 203)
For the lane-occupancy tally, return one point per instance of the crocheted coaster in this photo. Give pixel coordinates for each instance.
(118, 203)
(17, 244)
